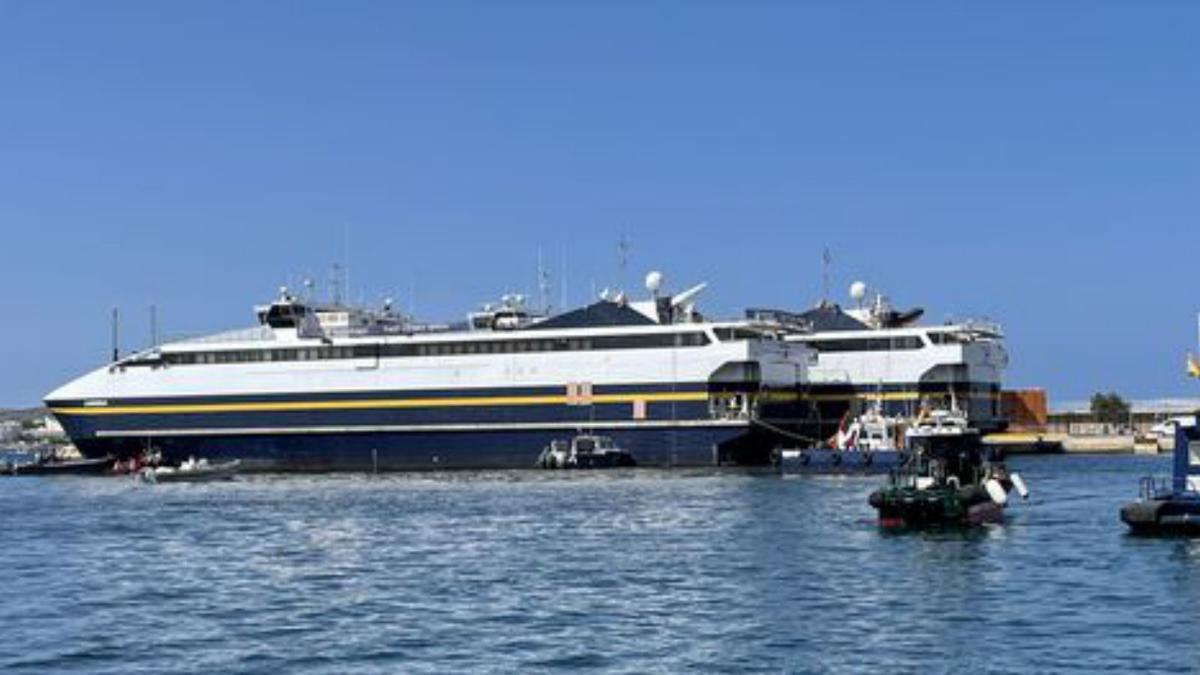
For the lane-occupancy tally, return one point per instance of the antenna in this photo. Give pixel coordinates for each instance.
(623, 247)
(346, 259)
(543, 283)
(116, 344)
(336, 283)
(826, 260)
(562, 280)
(153, 325)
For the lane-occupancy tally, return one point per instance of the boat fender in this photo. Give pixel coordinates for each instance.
(1019, 484)
(996, 491)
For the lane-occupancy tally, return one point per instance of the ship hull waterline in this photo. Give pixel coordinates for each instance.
(351, 437)
(689, 446)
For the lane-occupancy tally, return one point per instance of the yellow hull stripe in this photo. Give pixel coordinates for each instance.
(461, 402)
(371, 404)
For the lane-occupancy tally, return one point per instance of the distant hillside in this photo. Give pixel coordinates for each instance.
(21, 414)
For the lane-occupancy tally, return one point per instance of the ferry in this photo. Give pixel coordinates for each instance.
(330, 387)
(874, 355)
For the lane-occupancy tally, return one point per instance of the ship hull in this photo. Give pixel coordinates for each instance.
(692, 445)
(393, 431)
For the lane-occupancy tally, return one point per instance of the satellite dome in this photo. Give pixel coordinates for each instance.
(858, 290)
(654, 282)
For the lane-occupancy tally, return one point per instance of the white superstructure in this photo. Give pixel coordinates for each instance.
(874, 353)
(317, 384)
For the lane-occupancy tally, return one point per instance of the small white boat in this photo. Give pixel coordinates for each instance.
(940, 422)
(585, 451)
(870, 432)
(191, 471)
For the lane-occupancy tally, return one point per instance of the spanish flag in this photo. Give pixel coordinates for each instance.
(1193, 366)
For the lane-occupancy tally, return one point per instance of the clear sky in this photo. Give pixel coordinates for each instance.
(1038, 163)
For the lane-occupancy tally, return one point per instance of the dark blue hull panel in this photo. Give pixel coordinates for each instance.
(395, 451)
(499, 428)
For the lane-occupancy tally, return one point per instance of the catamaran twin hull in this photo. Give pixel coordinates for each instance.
(981, 401)
(661, 425)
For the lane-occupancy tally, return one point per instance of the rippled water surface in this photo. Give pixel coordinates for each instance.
(640, 571)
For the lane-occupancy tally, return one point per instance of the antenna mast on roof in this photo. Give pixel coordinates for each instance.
(562, 280)
(543, 284)
(623, 247)
(336, 283)
(116, 344)
(826, 260)
(346, 259)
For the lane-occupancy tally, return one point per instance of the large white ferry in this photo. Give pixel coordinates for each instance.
(872, 354)
(318, 387)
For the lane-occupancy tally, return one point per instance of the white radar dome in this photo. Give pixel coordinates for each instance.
(654, 281)
(858, 290)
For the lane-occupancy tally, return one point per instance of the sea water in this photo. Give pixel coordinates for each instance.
(624, 571)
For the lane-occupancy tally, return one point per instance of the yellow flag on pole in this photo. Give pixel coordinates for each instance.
(1193, 366)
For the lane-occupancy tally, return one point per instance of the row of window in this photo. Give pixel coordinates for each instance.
(373, 351)
(868, 344)
(947, 339)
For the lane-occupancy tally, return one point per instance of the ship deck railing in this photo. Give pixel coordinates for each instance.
(980, 326)
(256, 334)
(1152, 488)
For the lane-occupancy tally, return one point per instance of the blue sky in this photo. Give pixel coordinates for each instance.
(1038, 163)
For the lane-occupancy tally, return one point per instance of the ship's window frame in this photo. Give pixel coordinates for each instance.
(376, 350)
(736, 334)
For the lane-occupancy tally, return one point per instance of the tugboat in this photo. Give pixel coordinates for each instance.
(869, 444)
(585, 451)
(1173, 509)
(947, 479)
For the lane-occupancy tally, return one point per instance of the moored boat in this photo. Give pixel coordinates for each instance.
(52, 467)
(585, 451)
(1170, 508)
(191, 471)
(866, 444)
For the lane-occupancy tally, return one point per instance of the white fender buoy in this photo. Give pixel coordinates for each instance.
(996, 491)
(1019, 484)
